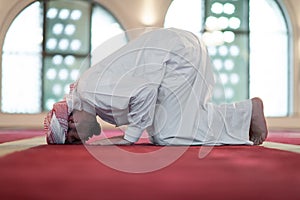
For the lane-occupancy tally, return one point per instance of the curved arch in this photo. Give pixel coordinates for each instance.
(15, 9)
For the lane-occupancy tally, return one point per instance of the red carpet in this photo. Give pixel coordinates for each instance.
(284, 137)
(227, 172)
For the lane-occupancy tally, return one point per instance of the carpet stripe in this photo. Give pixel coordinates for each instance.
(286, 147)
(21, 145)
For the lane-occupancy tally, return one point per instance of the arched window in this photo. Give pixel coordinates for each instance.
(248, 42)
(45, 48)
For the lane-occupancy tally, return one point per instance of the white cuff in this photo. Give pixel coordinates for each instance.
(133, 134)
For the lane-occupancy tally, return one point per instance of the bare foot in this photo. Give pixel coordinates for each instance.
(258, 127)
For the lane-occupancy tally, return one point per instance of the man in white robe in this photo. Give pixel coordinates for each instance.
(161, 82)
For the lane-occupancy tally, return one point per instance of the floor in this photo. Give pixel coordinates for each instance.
(31, 169)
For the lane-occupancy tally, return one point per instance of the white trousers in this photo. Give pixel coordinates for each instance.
(184, 113)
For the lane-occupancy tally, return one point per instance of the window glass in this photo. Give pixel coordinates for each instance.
(67, 44)
(247, 41)
(105, 42)
(226, 34)
(269, 72)
(41, 58)
(185, 14)
(22, 63)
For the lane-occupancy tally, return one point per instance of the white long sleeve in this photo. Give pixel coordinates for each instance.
(141, 112)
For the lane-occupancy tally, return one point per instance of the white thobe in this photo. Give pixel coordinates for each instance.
(162, 82)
